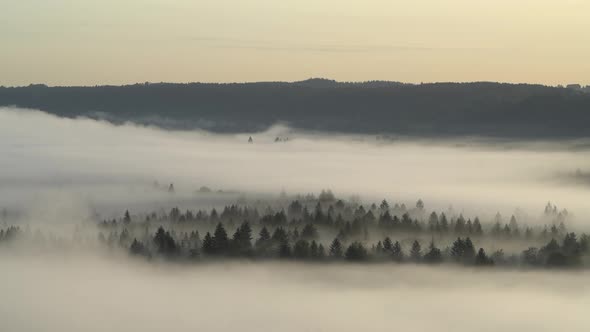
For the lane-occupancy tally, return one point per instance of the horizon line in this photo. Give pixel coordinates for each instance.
(311, 79)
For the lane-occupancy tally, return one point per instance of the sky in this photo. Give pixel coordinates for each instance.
(82, 42)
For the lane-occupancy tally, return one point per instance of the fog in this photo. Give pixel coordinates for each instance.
(98, 294)
(54, 169)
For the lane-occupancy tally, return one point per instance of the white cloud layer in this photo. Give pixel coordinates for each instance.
(82, 165)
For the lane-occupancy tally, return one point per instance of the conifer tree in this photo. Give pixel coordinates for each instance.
(356, 252)
(220, 240)
(301, 250)
(416, 251)
(433, 255)
(387, 245)
(481, 259)
(263, 243)
(336, 250)
(397, 253)
(208, 246)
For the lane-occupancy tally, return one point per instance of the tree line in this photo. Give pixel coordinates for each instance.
(353, 221)
(325, 228)
(281, 245)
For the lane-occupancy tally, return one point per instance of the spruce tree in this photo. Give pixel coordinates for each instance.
(481, 259)
(397, 253)
(208, 246)
(356, 252)
(416, 251)
(387, 245)
(263, 243)
(433, 255)
(336, 249)
(301, 250)
(220, 240)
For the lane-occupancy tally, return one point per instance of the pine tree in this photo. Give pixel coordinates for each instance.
(458, 250)
(165, 243)
(397, 253)
(481, 259)
(280, 236)
(416, 251)
(208, 246)
(127, 217)
(469, 250)
(284, 250)
(220, 240)
(387, 245)
(336, 249)
(444, 224)
(433, 222)
(242, 240)
(477, 229)
(433, 255)
(356, 252)
(137, 248)
(301, 249)
(309, 232)
(313, 249)
(264, 241)
(384, 206)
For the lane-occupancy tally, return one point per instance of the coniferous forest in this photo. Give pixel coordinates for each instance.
(323, 229)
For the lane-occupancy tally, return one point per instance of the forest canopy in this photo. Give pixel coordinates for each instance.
(423, 110)
(323, 229)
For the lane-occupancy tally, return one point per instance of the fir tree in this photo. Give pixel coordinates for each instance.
(356, 252)
(336, 250)
(416, 251)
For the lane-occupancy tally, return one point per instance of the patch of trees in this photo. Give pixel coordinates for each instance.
(284, 245)
(325, 228)
(306, 216)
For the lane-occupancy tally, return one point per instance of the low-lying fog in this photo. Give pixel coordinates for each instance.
(53, 167)
(69, 294)
(55, 170)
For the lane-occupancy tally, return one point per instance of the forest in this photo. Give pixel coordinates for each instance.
(322, 229)
(484, 109)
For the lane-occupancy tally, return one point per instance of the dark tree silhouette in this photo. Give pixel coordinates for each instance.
(434, 255)
(241, 243)
(165, 243)
(481, 259)
(416, 251)
(137, 248)
(127, 217)
(336, 250)
(221, 243)
(301, 250)
(397, 253)
(356, 252)
(264, 242)
(208, 245)
(309, 232)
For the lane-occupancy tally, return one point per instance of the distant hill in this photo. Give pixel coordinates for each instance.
(377, 107)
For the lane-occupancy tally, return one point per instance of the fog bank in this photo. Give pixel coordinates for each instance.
(94, 294)
(81, 166)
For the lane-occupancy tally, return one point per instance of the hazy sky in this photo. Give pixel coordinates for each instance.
(71, 42)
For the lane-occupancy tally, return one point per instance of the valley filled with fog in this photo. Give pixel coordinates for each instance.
(72, 179)
(84, 166)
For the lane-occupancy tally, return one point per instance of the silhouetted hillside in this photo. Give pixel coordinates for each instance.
(440, 109)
